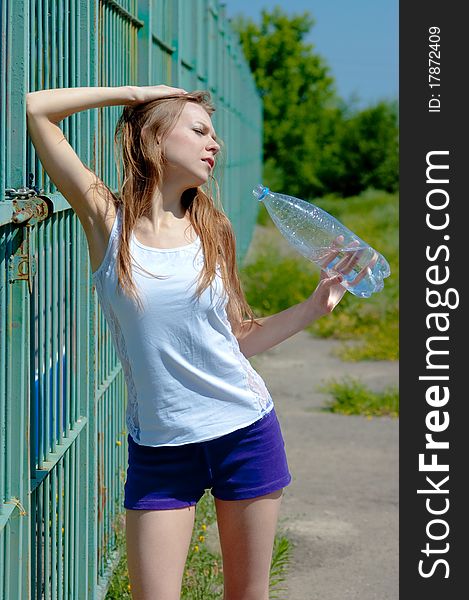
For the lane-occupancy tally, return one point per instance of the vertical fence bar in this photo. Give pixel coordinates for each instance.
(15, 43)
(144, 37)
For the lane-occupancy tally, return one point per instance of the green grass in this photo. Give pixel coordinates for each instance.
(119, 587)
(203, 574)
(351, 397)
(273, 282)
(281, 558)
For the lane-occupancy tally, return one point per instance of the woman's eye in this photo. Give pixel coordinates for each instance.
(198, 130)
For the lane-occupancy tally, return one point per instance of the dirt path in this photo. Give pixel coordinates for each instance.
(341, 509)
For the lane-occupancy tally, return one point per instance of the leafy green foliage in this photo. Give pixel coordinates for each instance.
(119, 586)
(296, 86)
(365, 153)
(351, 397)
(273, 283)
(314, 144)
(281, 558)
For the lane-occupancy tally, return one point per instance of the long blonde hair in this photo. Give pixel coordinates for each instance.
(136, 131)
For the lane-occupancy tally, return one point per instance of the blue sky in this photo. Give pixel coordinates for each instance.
(359, 39)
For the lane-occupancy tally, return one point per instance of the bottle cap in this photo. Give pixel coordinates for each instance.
(260, 192)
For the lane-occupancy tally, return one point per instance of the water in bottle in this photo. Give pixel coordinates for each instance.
(323, 239)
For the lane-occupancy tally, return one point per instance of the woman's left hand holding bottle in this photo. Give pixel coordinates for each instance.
(330, 290)
(347, 264)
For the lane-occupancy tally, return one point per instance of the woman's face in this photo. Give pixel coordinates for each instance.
(190, 142)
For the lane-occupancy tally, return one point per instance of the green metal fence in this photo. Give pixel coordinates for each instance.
(63, 448)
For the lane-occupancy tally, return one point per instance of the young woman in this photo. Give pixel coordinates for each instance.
(163, 262)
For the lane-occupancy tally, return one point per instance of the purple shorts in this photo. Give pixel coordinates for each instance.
(245, 463)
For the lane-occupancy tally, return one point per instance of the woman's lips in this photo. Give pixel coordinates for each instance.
(208, 162)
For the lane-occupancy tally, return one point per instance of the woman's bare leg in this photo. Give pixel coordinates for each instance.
(157, 545)
(247, 531)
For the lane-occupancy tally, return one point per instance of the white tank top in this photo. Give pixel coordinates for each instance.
(187, 380)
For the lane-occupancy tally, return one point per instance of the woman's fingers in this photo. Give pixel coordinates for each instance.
(336, 279)
(350, 259)
(166, 90)
(347, 263)
(364, 272)
(146, 93)
(332, 252)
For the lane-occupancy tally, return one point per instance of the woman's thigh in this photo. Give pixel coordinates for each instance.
(157, 545)
(247, 531)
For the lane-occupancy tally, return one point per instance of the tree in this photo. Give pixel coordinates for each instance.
(313, 142)
(299, 97)
(366, 152)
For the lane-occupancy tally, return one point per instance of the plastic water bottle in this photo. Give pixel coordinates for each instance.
(314, 233)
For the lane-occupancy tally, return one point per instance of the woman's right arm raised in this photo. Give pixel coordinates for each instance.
(44, 110)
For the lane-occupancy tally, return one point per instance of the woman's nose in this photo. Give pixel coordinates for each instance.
(213, 145)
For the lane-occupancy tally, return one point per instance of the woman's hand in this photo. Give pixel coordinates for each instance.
(350, 259)
(327, 295)
(146, 93)
(329, 291)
